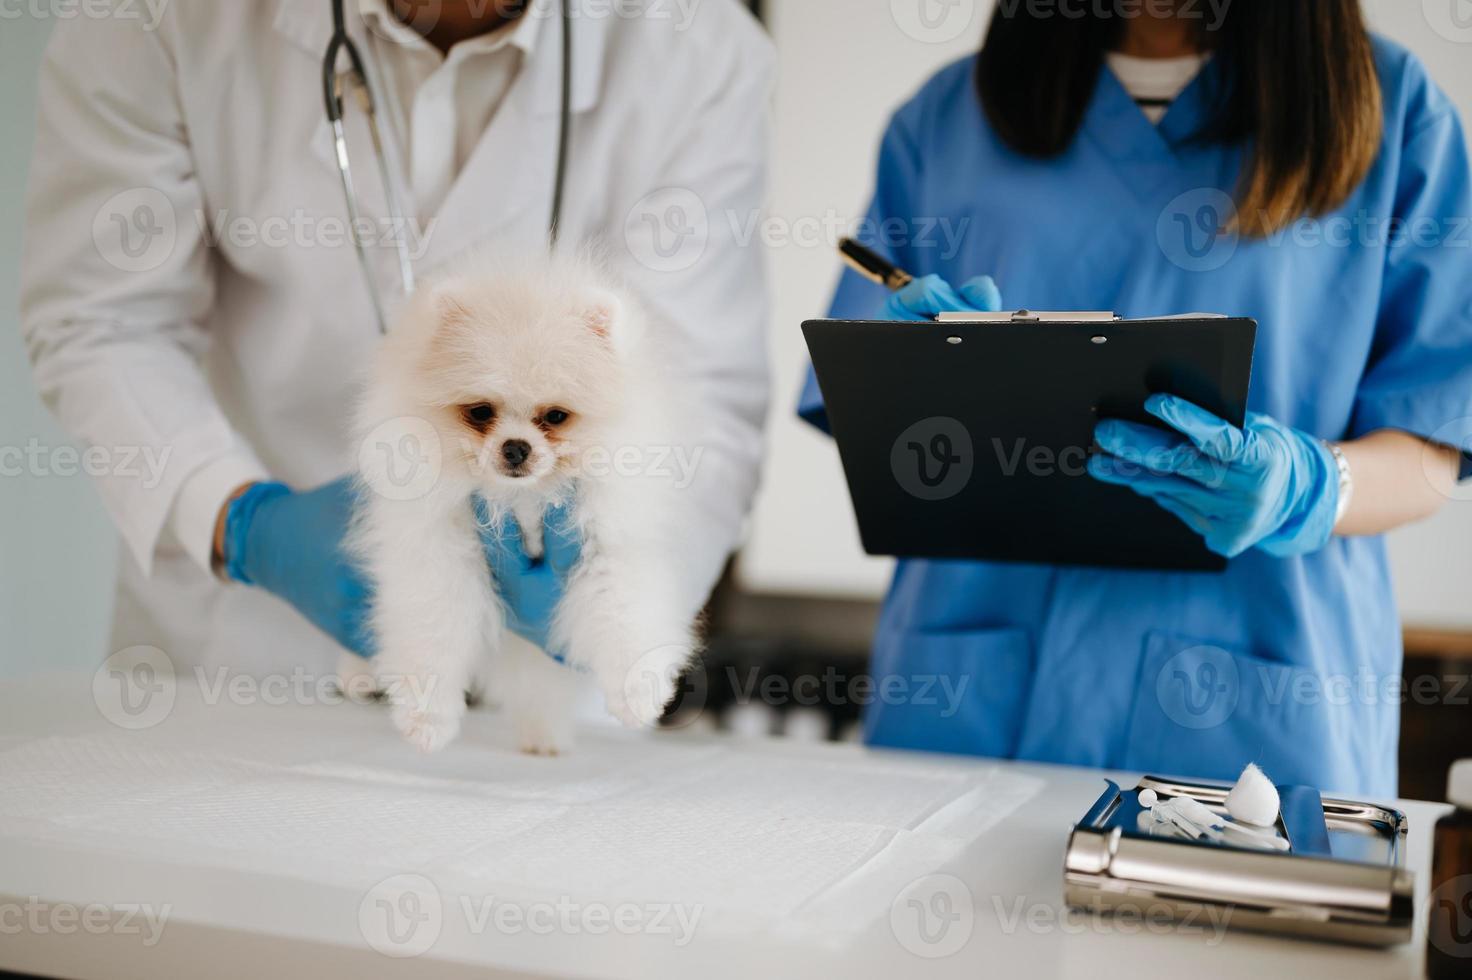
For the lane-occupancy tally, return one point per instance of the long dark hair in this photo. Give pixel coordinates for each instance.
(1299, 90)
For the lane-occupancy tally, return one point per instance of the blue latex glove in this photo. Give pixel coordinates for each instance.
(1264, 485)
(530, 589)
(929, 295)
(290, 544)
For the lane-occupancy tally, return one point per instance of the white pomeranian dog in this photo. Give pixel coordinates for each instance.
(534, 384)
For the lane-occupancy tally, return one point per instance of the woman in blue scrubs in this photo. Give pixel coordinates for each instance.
(1280, 164)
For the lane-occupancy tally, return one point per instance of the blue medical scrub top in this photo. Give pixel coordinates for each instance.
(1365, 323)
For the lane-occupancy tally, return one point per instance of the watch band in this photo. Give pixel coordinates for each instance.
(1346, 481)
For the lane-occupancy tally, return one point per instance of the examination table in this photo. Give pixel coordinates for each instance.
(248, 832)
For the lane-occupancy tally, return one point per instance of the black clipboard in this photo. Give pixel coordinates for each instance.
(968, 440)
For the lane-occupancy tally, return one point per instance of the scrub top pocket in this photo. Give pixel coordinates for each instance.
(956, 691)
(1204, 710)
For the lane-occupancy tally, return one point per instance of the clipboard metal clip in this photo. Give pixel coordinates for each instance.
(1031, 316)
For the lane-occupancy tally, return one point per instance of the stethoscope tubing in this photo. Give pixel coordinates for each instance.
(335, 86)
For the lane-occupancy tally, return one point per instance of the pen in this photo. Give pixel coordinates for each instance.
(871, 265)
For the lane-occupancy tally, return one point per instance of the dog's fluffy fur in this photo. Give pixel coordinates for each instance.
(545, 359)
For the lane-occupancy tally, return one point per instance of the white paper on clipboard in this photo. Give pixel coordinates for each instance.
(1063, 316)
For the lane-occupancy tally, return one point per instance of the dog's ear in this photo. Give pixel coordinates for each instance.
(603, 313)
(449, 309)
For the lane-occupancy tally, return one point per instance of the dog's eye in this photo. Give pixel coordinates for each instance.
(555, 416)
(479, 415)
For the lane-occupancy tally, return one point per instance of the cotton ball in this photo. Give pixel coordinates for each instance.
(1148, 798)
(1254, 800)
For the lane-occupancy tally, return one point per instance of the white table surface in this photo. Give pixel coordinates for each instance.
(228, 919)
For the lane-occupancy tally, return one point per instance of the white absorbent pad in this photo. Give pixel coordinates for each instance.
(759, 835)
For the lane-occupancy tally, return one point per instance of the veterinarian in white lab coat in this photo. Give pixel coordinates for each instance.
(190, 290)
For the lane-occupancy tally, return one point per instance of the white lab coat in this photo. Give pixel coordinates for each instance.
(187, 291)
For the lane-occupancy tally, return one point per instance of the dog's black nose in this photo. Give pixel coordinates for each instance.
(515, 451)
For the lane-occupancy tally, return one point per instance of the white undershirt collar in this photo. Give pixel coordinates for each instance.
(1155, 82)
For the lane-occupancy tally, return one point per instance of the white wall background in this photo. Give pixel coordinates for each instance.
(846, 64)
(56, 546)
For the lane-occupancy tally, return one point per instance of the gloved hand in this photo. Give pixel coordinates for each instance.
(290, 544)
(929, 295)
(530, 588)
(1264, 485)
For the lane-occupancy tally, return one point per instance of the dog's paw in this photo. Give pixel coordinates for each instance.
(639, 696)
(536, 736)
(425, 715)
(356, 679)
(428, 731)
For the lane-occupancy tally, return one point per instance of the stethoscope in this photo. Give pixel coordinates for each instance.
(336, 85)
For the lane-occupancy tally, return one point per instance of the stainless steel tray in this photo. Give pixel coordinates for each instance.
(1342, 879)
